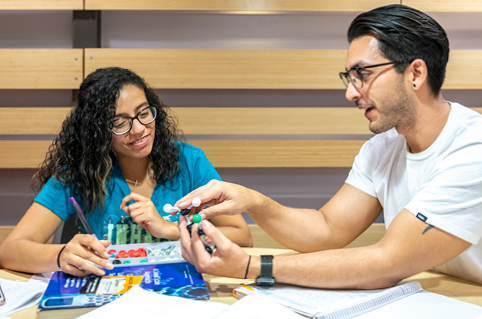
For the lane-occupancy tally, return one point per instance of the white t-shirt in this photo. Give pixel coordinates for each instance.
(441, 185)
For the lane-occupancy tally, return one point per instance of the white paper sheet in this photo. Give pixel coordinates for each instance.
(139, 303)
(20, 295)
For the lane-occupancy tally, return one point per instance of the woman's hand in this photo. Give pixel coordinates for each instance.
(82, 254)
(144, 213)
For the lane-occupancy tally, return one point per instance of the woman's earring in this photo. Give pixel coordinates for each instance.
(414, 85)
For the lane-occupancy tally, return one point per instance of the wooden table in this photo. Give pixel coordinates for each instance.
(221, 288)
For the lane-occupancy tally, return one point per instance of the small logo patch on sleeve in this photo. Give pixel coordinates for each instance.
(421, 217)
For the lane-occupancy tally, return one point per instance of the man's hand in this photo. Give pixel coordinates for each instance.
(222, 198)
(228, 260)
(81, 255)
(144, 213)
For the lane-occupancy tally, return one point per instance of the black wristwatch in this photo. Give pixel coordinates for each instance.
(266, 276)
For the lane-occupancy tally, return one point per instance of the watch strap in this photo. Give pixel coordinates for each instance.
(267, 266)
(266, 272)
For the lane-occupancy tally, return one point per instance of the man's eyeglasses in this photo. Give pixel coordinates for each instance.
(355, 75)
(122, 125)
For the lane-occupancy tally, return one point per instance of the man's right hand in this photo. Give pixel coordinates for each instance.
(222, 198)
(82, 254)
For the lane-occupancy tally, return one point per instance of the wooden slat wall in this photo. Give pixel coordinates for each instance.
(23, 154)
(464, 70)
(215, 69)
(226, 69)
(215, 120)
(271, 120)
(31, 120)
(257, 69)
(445, 5)
(221, 153)
(41, 4)
(273, 153)
(41, 68)
(237, 5)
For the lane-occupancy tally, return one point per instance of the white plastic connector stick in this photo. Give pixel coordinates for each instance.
(169, 208)
(196, 202)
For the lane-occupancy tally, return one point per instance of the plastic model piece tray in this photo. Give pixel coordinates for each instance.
(148, 253)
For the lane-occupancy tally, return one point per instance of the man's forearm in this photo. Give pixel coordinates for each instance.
(237, 235)
(282, 223)
(354, 268)
(404, 251)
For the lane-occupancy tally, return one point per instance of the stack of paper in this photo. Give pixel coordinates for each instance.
(139, 303)
(20, 295)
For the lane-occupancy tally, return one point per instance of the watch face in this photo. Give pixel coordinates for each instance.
(264, 281)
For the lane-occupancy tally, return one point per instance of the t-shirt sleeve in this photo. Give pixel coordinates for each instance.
(204, 170)
(452, 199)
(196, 167)
(55, 196)
(360, 175)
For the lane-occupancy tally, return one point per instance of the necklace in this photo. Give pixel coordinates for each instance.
(136, 182)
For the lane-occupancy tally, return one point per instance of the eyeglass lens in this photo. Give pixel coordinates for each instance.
(353, 77)
(124, 124)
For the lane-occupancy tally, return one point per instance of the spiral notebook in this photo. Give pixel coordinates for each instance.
(328, 303)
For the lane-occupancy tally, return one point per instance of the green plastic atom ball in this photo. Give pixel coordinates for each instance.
(196, 218)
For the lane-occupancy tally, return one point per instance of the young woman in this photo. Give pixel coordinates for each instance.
(117, 155)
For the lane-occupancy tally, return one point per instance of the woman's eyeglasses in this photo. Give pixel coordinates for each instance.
(122, 125)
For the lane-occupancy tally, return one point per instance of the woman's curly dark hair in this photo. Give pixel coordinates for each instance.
(81, 155)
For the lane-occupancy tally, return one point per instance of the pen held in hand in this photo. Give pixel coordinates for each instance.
(81, 216)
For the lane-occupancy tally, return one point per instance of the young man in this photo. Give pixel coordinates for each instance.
(423, 169)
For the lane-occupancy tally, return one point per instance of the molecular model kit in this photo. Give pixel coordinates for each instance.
(196, 202)
(157, 253)
(148, 253)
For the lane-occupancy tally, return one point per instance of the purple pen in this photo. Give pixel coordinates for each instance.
(81, 216)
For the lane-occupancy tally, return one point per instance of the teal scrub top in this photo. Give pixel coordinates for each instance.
(114, 224)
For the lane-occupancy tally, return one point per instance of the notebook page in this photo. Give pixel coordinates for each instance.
(20, 295)
(425, 305)
(375, 301)
(257, 307)
(319, 302)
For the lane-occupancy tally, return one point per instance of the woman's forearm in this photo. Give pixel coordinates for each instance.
(29, 256)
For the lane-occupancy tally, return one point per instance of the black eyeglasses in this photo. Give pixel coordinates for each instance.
(122, 125)
(355, 75)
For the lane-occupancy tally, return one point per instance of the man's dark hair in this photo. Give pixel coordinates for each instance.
(406, 34)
